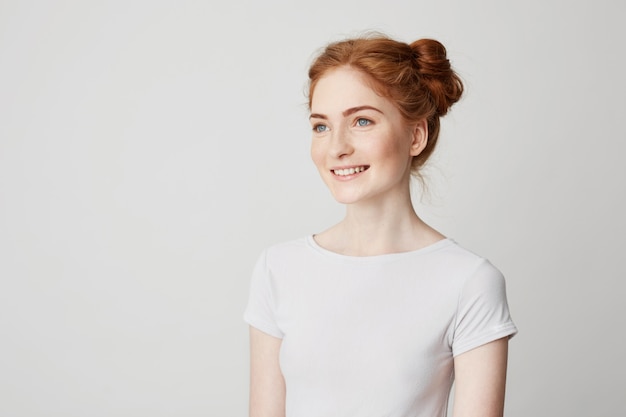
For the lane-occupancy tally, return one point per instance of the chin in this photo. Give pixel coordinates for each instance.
(346, 198)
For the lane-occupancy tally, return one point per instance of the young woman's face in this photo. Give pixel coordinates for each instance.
(361, 145)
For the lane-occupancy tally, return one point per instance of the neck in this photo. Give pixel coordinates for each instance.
(376, 228)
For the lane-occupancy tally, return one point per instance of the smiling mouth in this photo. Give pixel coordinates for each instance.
(349, 171)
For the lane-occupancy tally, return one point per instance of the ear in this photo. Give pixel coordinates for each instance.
(419, 137)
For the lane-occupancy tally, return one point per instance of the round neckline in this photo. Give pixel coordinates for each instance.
(310, 239)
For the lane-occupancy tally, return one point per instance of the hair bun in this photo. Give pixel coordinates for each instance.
(434, 68)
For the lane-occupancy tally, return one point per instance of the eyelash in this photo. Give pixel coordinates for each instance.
(317, 126)
(357, 123)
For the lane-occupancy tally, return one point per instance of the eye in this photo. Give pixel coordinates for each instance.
(361, 122)
(320, 128)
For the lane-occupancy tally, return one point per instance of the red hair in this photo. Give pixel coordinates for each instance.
(416, 77)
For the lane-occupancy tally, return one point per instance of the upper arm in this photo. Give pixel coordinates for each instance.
(267, 385)
(480, 377)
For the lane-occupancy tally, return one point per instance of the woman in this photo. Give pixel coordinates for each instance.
(379, 314)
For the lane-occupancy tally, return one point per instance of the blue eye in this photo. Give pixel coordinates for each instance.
(320, 128)
(361, 122)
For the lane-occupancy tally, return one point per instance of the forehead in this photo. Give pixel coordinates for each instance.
(344, 88)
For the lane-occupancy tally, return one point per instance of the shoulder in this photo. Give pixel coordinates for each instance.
(478, 278)
(286, 248)
(480, 266)
(463, 267)
(282, 252)
(457, 256)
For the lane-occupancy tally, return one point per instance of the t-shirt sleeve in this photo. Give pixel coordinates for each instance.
(483, 312)
(260, 311)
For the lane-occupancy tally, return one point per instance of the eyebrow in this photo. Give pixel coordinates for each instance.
(346, 113)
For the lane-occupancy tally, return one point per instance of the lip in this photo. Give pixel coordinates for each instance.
(348, 176)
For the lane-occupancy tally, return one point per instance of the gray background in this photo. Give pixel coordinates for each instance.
(150, 150)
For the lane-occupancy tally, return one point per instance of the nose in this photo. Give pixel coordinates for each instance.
(340, 144)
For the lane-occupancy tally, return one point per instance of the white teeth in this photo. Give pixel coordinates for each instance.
(349, 171)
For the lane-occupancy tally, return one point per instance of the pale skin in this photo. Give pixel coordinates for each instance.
(355, 128)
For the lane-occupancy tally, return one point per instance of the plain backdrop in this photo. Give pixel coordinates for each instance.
(149, 150)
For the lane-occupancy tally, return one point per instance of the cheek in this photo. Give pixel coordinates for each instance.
(386, 149)
(398, 146)
(317, 154)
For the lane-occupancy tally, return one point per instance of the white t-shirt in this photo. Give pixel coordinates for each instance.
(374, 336)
